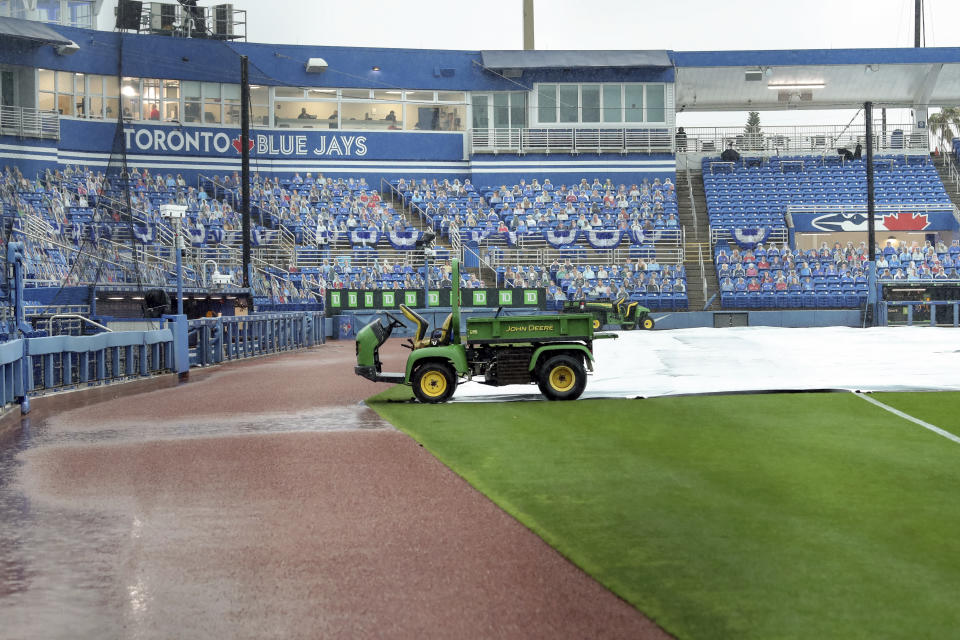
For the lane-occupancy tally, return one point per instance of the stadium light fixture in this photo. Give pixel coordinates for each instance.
(375, 68)
(796, 85)
(67, 49)
(316, 65)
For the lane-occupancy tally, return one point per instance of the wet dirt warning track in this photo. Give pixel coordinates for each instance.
(261, 500)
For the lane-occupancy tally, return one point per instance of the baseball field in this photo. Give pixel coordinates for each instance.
(731, 516)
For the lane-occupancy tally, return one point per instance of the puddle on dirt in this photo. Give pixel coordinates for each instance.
(61, 430)
(59, 565)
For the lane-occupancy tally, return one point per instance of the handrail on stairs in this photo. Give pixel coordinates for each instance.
(693, 203)
(952, 172)
(703, 272)
(74, 316)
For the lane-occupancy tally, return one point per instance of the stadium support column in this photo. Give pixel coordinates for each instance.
(245, 165)
(917, 22)
(179, 263)
(871, 223)
(528, 42)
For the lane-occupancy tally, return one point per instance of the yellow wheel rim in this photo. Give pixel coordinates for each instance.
(433, 384)
(596, 323)
(648, 323)
(562, 378)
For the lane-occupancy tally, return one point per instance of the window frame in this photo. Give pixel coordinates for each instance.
(558, 121)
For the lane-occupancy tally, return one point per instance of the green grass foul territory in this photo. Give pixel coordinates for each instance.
(741, 516)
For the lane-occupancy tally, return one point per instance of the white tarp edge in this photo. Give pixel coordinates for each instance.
(695, 361)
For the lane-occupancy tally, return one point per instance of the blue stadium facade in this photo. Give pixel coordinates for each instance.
(593, 119)
(440, 90)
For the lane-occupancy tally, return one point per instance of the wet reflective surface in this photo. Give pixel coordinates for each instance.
(62, 564)
(260, 500)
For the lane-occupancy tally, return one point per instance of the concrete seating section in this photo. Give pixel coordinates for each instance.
(529, 207)
(384, 276)
(75, 232)
(755, 193)
(653, 285)
(548, 212)
(783, 278)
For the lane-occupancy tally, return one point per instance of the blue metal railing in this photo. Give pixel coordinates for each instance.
(910, 312)
(215, 340)
(11, 370)
(37, 365)
(58, 362)
(30, 366)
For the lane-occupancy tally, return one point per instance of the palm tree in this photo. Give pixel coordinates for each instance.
(944, 126)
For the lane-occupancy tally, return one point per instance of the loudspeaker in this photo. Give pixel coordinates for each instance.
(128, 14)
(156, 303)
(168, 15)
(223, 20)
(162, 16)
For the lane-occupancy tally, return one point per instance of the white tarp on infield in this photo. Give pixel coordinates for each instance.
(685, 361)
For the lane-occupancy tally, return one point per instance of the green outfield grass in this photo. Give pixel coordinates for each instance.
(742, 516)
(941, 409)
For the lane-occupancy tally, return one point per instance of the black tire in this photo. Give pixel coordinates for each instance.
(434, 382)
(647, 323)
(562, 377)
(628, 327)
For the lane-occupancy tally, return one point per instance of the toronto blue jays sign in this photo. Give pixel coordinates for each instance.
(221, 142)
(158, 140)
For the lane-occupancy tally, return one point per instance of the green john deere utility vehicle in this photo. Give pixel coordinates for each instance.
(555, 351)
(622, 311)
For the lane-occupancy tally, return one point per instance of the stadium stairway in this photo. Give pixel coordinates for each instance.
(949, 184)
(691, 197)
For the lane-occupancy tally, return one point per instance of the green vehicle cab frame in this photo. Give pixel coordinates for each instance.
(554, 351)
(626, 313)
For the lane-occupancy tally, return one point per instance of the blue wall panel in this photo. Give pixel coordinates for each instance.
(192, 150)
(30, 155)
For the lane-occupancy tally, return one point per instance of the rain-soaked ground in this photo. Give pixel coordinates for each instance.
(58, 562)
(263, 500)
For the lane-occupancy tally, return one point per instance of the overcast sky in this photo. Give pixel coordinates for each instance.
(680, 25)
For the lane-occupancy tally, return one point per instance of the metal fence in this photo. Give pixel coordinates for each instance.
(25, 122)
(30, 366)
(803, 139)
(37, 365)
(935, 313)
(574, 140)
(215, 340)
(778, 235)
(60, 362)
